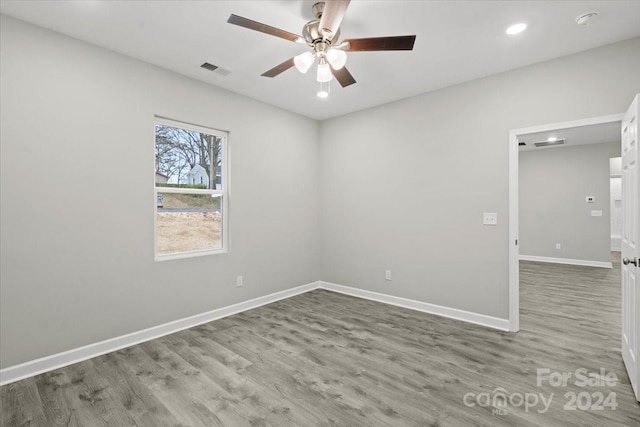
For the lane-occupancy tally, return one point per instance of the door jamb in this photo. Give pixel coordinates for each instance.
(514, 250)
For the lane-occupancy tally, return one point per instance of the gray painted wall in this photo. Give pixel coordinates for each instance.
(401, 186)
(405, 184)
(77, 262)
(553, 186)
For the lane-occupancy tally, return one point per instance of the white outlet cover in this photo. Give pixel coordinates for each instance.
(490, 218)
(596, 213)
(590, 199)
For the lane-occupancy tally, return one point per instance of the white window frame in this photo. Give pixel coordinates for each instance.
(222, 192)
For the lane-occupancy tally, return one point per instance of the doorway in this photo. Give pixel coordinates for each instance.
(514, 193)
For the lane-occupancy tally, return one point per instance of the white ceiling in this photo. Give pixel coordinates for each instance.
(457, 41)
(592, 134)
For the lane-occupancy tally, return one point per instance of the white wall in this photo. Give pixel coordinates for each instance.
(77, 261)
(405, 184)
(554, 183)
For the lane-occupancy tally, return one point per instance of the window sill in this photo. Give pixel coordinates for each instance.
(192, 254)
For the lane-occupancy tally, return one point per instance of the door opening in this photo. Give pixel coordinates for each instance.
(515, 241)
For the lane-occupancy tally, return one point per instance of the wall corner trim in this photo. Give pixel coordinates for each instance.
(59, 360)
(438, 310)
(552, 260)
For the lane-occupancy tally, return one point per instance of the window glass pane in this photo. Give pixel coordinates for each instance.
(188, 222)
(187, 158)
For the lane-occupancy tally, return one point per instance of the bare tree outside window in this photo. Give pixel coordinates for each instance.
(179, 151)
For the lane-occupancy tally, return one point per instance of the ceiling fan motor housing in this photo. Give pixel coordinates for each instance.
(312, 33)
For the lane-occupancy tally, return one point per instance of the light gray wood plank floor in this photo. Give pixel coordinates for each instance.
(326, 359)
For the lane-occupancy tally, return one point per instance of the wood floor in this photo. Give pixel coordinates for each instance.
(325, 359)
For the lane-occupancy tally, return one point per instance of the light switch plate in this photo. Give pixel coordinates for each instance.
(490, 218)
(596, 213)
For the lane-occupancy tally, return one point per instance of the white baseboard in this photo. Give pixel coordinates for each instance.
(59, 360)
(38, 366)
(552, 260)
(452, 313)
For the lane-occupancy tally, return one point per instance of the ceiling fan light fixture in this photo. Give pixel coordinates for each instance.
(324, 92)
(320, 34)
(304, 61)
(337, 58)
(324, 72)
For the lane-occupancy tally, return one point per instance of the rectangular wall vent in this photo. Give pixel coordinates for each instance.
(548, 143)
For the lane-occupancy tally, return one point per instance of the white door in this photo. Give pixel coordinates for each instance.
(630, 246)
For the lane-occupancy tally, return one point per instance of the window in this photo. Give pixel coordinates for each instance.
(190, 190)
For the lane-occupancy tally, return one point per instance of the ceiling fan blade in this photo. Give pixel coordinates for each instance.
(343, 76)
(381, 43)
(279, 68)
(263, 28)
(332, 15)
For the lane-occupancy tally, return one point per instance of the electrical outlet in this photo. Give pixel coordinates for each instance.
(596, 213)
(558, 245)
(239, 282)
(387, 275)
(490, 218)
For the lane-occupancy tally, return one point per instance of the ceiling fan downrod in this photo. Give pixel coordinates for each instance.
(313, 33)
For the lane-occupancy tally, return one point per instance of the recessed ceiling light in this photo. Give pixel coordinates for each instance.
(516, 28)
(323, 94)
(552, 139)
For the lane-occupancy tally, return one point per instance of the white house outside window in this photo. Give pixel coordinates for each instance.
(190, 190)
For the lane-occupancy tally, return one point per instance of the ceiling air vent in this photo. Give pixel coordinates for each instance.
(548, 143)
(209, 67)
(215, 69)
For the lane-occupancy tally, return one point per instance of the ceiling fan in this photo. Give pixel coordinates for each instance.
(322, 35)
